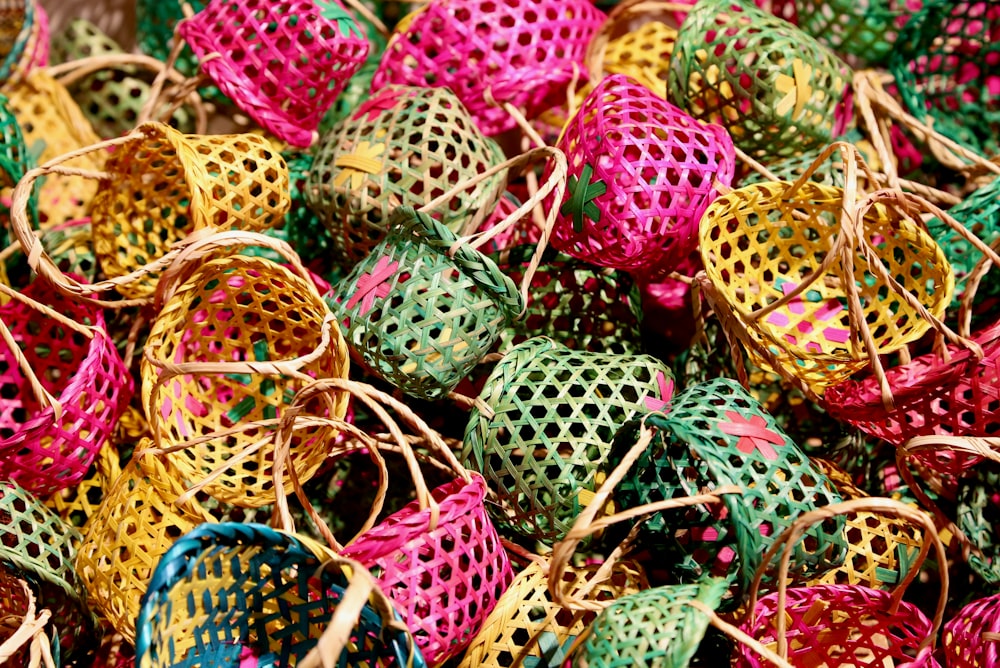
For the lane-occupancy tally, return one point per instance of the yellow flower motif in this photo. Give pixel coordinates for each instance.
(354, 166)
(796, 88)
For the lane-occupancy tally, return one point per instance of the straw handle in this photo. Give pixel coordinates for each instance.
(43, 396)
(31, 629)
(790, 537)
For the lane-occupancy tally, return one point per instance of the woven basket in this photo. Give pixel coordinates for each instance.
(534, 49)
(299, 603)
(970, 637)
(418, 316)
(642, 173)
(774, 88)
(402, 146)
(53, 125)
(945, 68)
(20, 626)
(642, 54)
(14, 162)
(791, 283)
(865, 33)
(236, 338)
(527, 628)
(137, 522)
(716, 434)
(823, 624)
(283, 62)
(544, 423)
(38, 547)
(977, 510)
(156, 25)
(23, 37)
(63, 388)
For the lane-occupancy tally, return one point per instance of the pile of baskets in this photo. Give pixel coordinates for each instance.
(500, 333)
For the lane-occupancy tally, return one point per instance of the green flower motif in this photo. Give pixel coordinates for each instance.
(581, 201)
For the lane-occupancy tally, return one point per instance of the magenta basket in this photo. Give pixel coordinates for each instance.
(524, 52)
(284, 62)
(444, 581)
(641, 174)
(963, 642)
(40, 450)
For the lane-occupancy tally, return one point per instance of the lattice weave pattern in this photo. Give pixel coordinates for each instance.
(418, 316)
(532, 46)
(231, 592)
(641, 174)
(773, 87)
(237, 308)
(284, 62)
(757, 247)
(87, 377)
(963, 642)
(444, 581)
(978, 516)
(552, 415)
(165, 185)
(644, 55)
(135, 525)
(867, 31)
(403, 146)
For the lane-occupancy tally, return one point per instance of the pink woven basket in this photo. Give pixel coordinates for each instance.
(523, 51)
(284, 62)
(965, 642)
(641, 174)
(61, 398)
(444, 579)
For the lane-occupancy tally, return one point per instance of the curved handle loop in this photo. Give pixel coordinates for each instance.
(787, 540)
(587, 523)
(31, 629)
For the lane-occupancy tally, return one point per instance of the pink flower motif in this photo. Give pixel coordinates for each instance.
(373, 285)
(753, 434)
(666, 394)
(374, 107)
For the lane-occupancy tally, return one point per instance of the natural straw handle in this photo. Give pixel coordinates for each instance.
(587, 524)
(337, 636)
(793, 534)
(556, 183)
(32, 626)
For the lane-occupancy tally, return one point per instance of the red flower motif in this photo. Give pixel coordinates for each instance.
(373, 285)
(753, 434)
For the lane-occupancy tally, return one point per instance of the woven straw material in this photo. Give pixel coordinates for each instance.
(829, 625)
(137, 522)
(963, 642)
(75, 505)
(552, 413)
(43, 450)
(404, 146)
(165, 185)
(533, 47)
(418, 316)
(14, 604)
(716, 434)
(234, 309)
(930, 396)
(229, 594)
(977, 511)
(641, 174)
(863, 32)
(41, 547)
(14, 162)
(528, 629)
(880, 548)
(19, 33)
(111, 99)
(53, 125)
(946, 69)
(655, 627)
(577, 304)
(156, 23)
(71, 247)
(644, 55)
(445, 581)
(756, 248)
(774, 88)
(283, 62)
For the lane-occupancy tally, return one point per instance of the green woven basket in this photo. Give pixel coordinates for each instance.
(716, 434)
(978, 515)
(544, 423)
(656, 627)
(15, 161)
(776, 90)
(403, 146)
(864, 32)
(419, 316)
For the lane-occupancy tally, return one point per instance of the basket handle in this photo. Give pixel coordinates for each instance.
(556, 183)
(587, 523)
(787, 540)
(337, 636)
(32, 629)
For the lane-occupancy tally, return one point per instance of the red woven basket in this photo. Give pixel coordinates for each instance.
(523, 51)
(284, 62)
(641, 174)
(61, 397)
(965, 642)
